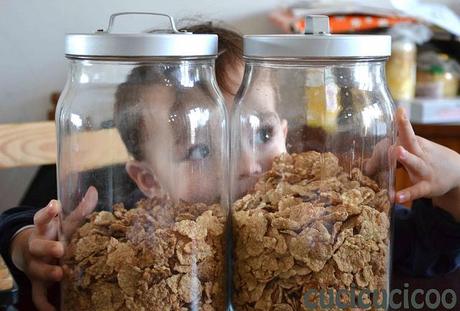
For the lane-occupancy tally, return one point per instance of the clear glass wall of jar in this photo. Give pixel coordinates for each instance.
(142, 170)
(310, 175)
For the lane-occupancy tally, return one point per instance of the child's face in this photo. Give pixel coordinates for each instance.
(263, 137)
(263, 134)
(182, 154)
(187, 165)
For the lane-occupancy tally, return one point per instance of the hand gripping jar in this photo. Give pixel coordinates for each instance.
(311, 178)
(142, 171)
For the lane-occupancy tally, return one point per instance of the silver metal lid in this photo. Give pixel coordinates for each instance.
(107, 44)
(317, 42)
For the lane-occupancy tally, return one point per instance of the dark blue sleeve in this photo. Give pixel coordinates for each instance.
(11, 221)
(426, 240)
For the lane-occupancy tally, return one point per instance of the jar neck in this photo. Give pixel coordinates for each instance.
(358, 72)
(364, 75)
(189, 71)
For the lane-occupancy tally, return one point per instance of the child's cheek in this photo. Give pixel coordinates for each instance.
(198, 185)
(273, 150)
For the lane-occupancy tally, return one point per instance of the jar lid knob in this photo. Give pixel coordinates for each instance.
(317, 25)
(171, 20)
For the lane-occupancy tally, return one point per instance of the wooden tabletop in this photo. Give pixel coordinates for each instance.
(437, 130)
(444, 134)
(32, 144)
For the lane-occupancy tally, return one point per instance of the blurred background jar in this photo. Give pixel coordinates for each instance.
(401, 70)
(437, 75)
(401, 67)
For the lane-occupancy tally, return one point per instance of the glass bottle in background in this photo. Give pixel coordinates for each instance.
(401, 70)
(437, 75)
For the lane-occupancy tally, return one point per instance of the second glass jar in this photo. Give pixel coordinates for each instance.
(310, 173)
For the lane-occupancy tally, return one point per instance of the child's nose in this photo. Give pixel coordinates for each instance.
(249, 166)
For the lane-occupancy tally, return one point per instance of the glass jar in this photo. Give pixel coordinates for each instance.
(401, 70)
(311, 200)
(437, 76)
(142, 170)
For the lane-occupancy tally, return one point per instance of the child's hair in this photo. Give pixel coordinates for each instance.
(128, 116)
(230, 50)
(128, 107)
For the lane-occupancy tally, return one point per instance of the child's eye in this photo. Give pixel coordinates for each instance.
(197, 152)
(264, 135)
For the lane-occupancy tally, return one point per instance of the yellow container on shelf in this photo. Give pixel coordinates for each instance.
(401, 70)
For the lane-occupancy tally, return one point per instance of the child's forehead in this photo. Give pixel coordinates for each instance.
(157, 97)
(171, 112)
(170, 99)
(262, 98)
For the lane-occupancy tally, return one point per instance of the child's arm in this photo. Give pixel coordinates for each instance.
(434, 170)
(426, 240)
(35, 250)
(13, 221)
(427, 236)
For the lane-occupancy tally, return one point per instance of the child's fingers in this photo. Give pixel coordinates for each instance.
(419, 190)
(393, 156)
(89, 201)
(372, 164)
(45, 215)
(39, 297)
(46, 248)
(383, 151)
(43, 271)
(86, 207)
(406, 133)
(412, 163)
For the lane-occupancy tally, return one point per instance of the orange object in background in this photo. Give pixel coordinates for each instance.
(357, 23)
(338, 24)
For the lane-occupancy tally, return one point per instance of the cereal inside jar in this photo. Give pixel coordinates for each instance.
(311, 200)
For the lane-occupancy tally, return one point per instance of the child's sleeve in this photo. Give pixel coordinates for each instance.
(426, 240)
(11, 221)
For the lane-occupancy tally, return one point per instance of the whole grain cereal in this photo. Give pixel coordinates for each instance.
(157, 256)
(308, 224)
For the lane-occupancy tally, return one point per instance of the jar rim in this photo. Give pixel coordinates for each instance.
(103, 44)
(317, 46)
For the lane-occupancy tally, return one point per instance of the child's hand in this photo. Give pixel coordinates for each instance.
(75, 219)
(434, 170)
(36, 251)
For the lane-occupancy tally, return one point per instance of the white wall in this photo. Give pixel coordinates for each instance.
(32, 63)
